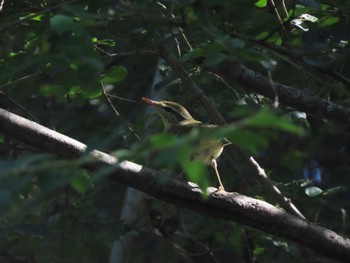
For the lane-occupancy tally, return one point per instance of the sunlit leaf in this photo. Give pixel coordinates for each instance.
(313, 191)
(80, 182)
(308, 17)
(261, 3)
(37, 18)
(106, 42)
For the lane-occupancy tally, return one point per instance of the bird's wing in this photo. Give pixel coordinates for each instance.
(186, 126)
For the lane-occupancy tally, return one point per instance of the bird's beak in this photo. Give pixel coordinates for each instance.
(149, 101)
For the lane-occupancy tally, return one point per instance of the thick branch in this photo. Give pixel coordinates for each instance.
(229, 206)
(291, 96)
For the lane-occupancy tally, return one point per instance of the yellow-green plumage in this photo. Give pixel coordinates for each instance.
(178, 120)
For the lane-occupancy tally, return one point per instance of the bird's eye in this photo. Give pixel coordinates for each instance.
(168, 109)
(174, 113)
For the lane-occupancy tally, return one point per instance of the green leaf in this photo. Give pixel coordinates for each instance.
(163, 140)
(2, 138)
(196, 172)
(335, 190)
(262, 35)
(194, 53)
(92, 93)
(269, 119)
(252, 141)
(106, 42)
(61, 24)
(329, 21)
(58, 91)
(214, 59)
(37, 17)
(313, 191)
(261, 3)
(235, 237)
(80, 182)
(79, 100)
(115, 75)
(194, 169)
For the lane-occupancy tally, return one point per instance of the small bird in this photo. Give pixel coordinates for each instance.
(178, 120)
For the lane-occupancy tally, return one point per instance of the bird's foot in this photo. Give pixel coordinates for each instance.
(221, 189)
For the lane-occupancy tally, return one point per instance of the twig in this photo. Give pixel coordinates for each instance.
(120, 98)
(275, 99)
(337, 76)
(114, 57)
(274, 190)
(319, 210)
(2, 4)
(19, 106)
(127, 53)
(285, 34)
(225, 83)
(16, 81)
(284, 7)
(126, 123)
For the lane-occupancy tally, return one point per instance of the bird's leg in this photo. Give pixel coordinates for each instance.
(215, 166)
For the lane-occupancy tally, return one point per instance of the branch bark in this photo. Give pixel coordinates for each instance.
(229, 206)
(299, 99)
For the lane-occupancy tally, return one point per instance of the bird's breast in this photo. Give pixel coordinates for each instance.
(206, 151)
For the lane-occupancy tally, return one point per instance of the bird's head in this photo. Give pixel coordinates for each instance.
(172, 113)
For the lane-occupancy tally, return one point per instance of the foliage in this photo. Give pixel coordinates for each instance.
(61, 60)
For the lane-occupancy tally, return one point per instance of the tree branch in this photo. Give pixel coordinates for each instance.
(229, 206)
(291, 96)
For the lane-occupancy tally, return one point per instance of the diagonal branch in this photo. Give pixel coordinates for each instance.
(291, 96)
(229, 206)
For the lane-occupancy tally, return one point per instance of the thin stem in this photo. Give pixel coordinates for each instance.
(127, 124)
(19, 106)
